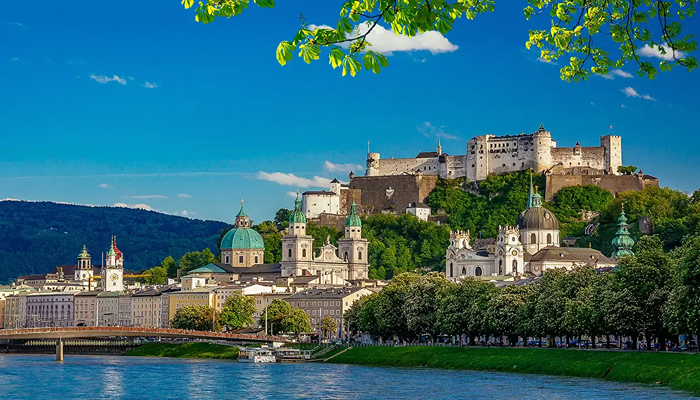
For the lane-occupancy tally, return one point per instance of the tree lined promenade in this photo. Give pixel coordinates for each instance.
(649, 299)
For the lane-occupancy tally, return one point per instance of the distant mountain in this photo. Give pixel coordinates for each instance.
(37, 236)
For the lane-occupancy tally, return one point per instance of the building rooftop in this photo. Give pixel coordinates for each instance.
(427, 154)
(586, 256)
(329, 293)
(319, 193)
(417, 204)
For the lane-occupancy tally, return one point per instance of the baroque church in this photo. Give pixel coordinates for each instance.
(524, 250)
(243, 251)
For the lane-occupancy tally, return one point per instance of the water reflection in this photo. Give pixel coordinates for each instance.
(39, 378)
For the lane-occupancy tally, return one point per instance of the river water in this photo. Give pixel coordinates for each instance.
(38, 377)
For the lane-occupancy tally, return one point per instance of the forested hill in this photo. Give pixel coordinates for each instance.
(37, 236)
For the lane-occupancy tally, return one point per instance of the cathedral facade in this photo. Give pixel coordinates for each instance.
(490, 154)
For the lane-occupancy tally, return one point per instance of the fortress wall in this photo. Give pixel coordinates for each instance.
(593, 157)
(613, 183)
(453, 167)
(400, 166)
(377, 197)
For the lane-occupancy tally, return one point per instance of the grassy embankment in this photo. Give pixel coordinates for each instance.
(680, 371)
(185, 350)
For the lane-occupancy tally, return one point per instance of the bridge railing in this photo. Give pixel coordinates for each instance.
(145, 331)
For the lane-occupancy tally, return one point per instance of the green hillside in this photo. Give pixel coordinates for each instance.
(37, 236)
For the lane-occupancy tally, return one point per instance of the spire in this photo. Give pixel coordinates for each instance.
(529, 194)
(297, 216)
(111, 249)
(536, 199)
(241, 213)
(439, 147)
(353, 219)
(541, 128)
(622, 242)
(84, 253)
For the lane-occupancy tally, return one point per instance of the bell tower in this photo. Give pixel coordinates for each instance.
(297, 246)
(353, 248)
(113, 271)
(83, 271)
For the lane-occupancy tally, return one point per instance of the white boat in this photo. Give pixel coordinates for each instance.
(256, 355)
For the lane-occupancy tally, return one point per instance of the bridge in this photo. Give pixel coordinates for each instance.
(80, 332)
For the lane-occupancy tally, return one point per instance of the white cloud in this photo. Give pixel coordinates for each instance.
(329, 166)
(150, 85)
(184, 196)
(105, 185)
(630, 92)
(292, 194)
(16, 59)
(17, 24)
(592, 104)
(623, 105)
(616, 72)
(385, 41)
(135, 206)
(106, 79)
(149, 196)
(542, 60)
(293, 180)
(655, 52)
(429, 130)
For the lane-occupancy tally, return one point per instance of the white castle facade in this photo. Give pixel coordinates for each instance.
(489, 154)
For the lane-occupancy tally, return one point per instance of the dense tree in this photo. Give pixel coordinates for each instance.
(328, 327)
(627, 169)
(282, 218)
(196, 318)
(194, 260)
(276, 312)
(169, 265)
(296, 321)
(156, 276)
(238, 311)
(272, 238)
(573, 31)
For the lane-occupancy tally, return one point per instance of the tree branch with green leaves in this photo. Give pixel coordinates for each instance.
(623, 31)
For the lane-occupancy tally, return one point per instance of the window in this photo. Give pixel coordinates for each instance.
(464, 271)
(533, 238)
(359, 255)
(549, 238)
(289, 253)
(452, 272)
(240, 259)
(515, 266)
(256, 259)
(345, 258)
(303, 252)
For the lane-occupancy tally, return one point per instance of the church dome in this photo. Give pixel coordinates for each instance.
(353, 219)
(242, 238)
(537, 217)
(297, 216)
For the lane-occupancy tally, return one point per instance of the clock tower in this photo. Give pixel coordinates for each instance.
(113, 270)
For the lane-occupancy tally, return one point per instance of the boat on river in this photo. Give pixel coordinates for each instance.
(256, 355)
(292, 355)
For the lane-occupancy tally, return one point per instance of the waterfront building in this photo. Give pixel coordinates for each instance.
(221, 293)
(124, 315)
(331, 302)
(263, 300)
(201, 296)
(16, 311)
(85, 308)
(108, 308)
(148, 305)
(49, 309)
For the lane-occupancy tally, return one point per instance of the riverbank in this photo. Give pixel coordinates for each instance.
(186, 350)
(679, 371)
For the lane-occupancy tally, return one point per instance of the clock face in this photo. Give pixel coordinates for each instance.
(515, 253)
(114, 277)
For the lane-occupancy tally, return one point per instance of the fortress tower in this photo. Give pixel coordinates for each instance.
(613, 152)
(372, 164)
(542, 141)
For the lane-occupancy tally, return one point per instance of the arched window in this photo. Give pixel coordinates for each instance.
(500, 267)
(515, 266)
(464, 271)
(452, 272)
(359, 255)
(289, 253)
(240, 259)
(228, 260)
(533, 238)
(256, 259)
(303, 252)
(549, 238)
(345, 257)
(477, 271)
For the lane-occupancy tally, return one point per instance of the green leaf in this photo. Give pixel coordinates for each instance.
(336, 57)
(344, 25)
(284, 52)
(187, 3)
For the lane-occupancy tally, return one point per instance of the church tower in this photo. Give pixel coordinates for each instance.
(509, 252)
(439, 148)
(622, 242)
(83, 271)
(353, 248)
(113, 270)
(297, 246)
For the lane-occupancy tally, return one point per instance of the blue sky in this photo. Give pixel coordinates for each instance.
(133, 102)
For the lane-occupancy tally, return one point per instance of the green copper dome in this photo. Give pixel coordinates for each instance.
(622, 242)
(297, 216)
(242, 212)
(242, 238)
(84, 253)
(353, 219)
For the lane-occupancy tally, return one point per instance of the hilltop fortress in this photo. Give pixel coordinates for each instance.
(398, 185)
(489, 154)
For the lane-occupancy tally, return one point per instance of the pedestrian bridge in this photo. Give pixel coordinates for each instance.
(123, 331)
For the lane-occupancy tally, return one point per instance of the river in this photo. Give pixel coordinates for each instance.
(38, 377)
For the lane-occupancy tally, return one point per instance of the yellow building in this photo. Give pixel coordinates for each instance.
(200, 296)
